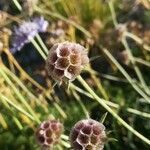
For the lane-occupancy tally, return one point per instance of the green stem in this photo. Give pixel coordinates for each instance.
(126, 75)
(137, 70)
(138, 40)
(80, 103)
(102, 103)
(59, 16)
(20, 83)
(17, 5)
(42, 44)
(111, 104)
(141, 61)
(60, 110)
(11, 113)
(22, 99)
(16, 107)
(38, 49)
(113, 13)
(124, 42)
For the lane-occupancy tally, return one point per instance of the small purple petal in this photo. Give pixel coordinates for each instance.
(18, 43)
(42, 24)
(27, 31)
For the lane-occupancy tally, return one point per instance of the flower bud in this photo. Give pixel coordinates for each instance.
(88, 135)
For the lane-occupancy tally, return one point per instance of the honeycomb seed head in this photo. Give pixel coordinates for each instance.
(66, 60)
(88, 135)
(48, 134)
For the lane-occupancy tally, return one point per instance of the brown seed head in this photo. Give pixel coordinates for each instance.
(49, 133)
(66, 60)
(88, 135)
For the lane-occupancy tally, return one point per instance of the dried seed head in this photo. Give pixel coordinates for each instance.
(1, 46)
(3, 17)
(123, 57)
(28, 5)
(49, 133)
(119, 31)
(88, 135)
(66, 60)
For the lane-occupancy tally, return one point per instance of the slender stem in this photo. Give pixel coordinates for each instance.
(22, 99)
(81, 104)
(60, 110)
(59, 16)
(42, 44)
(137, 112)
(65, 144)
(113, 13)
(137, 70)
(16, 107)
(126, 75)
(64, 137)
(138, 40)
(102, 103)
(65, 140)
(12, 114)
(124, 42)
(141, 61)
(112, 104)
(3, 122)
(19, 82)
(23, 73)
(17, 5)
(18, 123)
(100, 87)
(38, 49)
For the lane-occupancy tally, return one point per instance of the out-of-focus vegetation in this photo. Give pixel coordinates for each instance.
(117, 36)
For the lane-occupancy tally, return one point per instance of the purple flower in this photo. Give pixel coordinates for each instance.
(42, 24)
(26, 31)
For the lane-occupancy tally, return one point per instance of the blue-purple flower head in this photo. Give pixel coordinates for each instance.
(27, 31)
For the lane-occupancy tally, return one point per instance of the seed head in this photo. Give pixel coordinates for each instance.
(123, 57)
(28, 5)
(1, 46)
(3, 17)
(49, 133)
(88, 135)
(66, 60)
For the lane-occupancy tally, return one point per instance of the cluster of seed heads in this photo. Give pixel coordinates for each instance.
(48, 134)
(88, 135)
(66, 60)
